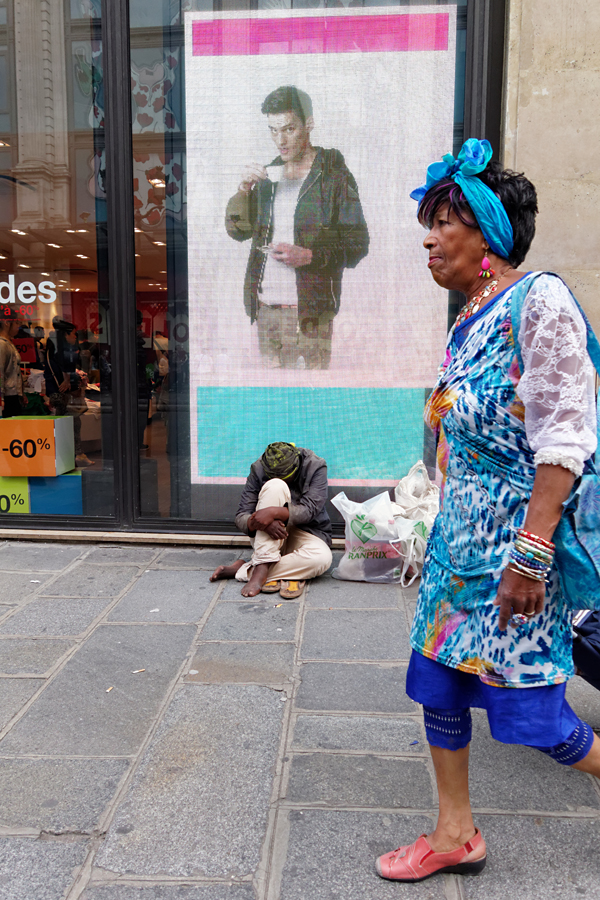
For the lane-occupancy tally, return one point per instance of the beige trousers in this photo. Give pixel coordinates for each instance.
(297, 558)
(286, 342)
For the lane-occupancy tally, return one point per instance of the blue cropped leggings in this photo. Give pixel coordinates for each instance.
(451, 729)
(537, 717)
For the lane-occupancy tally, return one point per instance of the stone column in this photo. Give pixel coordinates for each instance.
(42, 123)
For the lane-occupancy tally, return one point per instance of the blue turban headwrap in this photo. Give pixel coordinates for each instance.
(487, 208)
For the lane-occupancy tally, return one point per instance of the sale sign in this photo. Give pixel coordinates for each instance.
(36, 445)
(26, 349)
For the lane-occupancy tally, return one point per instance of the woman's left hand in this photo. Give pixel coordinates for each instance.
(518, 594)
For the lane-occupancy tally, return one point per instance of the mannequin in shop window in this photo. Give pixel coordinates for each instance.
(10, 365)
(66, 381)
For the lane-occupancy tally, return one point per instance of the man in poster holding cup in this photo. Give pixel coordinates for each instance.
(304, 218)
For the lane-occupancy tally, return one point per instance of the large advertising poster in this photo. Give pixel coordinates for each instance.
(313, 317)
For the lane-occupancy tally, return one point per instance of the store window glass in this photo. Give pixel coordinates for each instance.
(278, 300)
(55, 364)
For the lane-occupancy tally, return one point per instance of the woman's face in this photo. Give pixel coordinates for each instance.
(455, 251)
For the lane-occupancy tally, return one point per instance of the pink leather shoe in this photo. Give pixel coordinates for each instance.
(419, 861)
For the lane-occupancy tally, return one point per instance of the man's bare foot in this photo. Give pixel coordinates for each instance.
(257, 579)
(227, 571)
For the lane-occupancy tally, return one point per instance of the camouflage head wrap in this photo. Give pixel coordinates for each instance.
(281, 460)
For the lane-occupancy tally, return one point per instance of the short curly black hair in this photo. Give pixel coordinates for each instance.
(288, 98)
(516, 193)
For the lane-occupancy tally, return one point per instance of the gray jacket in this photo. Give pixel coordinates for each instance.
(309, 495)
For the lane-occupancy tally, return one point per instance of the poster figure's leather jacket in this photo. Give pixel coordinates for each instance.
(328, 220)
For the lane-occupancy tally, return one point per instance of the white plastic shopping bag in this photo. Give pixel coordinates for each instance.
(373, 540)
(417, 502)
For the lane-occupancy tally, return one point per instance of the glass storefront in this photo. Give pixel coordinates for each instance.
(55, 311)
(221, 345)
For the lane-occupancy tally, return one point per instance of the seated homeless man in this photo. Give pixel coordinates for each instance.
(282, 508)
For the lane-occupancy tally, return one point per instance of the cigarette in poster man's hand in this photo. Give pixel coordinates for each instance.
(251, 174)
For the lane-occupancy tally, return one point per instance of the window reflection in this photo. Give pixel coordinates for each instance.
(52, 235)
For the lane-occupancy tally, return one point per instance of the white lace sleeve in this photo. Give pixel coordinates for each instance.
(557, 385)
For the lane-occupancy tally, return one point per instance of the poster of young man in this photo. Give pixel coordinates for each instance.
(312, 314)
(303, 216)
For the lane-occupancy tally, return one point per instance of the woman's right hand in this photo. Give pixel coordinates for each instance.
(250, 176)
(518, 594)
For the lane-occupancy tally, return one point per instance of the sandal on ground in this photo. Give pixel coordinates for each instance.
(291, 589)
(270, 587)
(419, 861)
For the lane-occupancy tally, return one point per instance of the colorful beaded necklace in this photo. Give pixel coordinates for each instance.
(473, 305)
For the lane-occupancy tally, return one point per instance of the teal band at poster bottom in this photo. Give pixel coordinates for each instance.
(362, 433)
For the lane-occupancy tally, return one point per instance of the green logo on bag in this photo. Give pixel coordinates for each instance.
(421, 529)
(363, 530)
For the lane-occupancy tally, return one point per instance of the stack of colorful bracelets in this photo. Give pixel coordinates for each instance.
(531, 556)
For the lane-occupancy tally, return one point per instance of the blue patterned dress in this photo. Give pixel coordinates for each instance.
(488, 473)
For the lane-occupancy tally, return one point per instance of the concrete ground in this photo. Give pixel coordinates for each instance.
(162, 737)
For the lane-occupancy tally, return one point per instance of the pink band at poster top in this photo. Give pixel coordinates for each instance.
(321, 34)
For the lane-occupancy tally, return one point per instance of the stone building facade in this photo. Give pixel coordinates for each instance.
(551, 132)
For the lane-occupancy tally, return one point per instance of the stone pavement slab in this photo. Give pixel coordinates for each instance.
(411, 592)
(533, 858)
(205, 800)
(331, 855)
(76, 716)
(337, 780)
(22, 656)
(165, 596)
(57, 795)
(254, 621)
(89, 580)
(31, 556)
(585, 700)
(232, 593)
(357, 687)
(16, 586)
(244, 662)
(14, 694)
(199, 800)
(38, 870)
(328, 593)
(355, 634)
(200, 559)
(243, 891)
(57, 616)
(372, 734)
(118, 556)
(511, 777)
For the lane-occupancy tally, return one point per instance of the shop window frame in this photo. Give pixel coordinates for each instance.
(483, 97)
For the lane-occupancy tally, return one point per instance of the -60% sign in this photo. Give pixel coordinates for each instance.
(34, 446)
(26, 448)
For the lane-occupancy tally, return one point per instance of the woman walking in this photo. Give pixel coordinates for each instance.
(492, 628)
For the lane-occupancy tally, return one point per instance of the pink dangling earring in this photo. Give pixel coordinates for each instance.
(486, 269)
